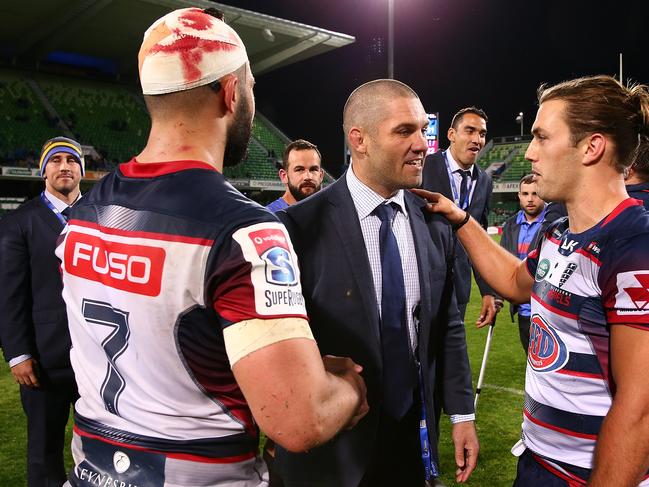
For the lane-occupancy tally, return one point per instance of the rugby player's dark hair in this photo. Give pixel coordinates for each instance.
(298, 144)
(457, 118)
(527, 179)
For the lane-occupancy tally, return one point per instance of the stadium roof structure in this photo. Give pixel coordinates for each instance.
(105, 35)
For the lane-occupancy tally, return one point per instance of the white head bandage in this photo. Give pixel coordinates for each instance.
(187, 48)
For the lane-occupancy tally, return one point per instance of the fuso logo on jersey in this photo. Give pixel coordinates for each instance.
(132, 268)
(546, 351)
(272, 248)
(632, 296)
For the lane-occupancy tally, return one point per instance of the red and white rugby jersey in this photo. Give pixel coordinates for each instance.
(157, 260)
(583, 284)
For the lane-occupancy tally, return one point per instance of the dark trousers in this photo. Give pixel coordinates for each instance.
(397, 455)
(47, 409)
(524, 331)
(531, 473)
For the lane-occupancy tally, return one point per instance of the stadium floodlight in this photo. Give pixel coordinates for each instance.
(519, 120)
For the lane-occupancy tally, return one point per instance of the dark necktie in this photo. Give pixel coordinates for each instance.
(464, 188)
(66, 213)
(399, 376)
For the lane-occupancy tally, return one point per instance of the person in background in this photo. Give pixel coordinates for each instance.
(301, 173)
(519, 232)
(33, 320)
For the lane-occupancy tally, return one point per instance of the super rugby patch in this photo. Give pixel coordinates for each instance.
(275, 275)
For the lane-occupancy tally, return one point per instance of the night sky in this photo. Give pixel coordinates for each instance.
(453, 53)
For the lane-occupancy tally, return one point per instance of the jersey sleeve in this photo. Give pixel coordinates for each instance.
(255, 276)
(624, 282)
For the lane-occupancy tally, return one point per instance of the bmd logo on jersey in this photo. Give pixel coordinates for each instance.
(132, 268)
(272, 248)
(546, 351)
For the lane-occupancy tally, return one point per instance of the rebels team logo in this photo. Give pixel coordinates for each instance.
(132, 268)
(272, 248)
(546, 351)
(632, 296)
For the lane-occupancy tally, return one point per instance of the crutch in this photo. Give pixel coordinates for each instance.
(483, 367)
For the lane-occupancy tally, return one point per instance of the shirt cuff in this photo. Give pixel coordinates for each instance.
(19, 359)
(462, 418)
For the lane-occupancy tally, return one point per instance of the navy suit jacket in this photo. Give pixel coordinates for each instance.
(436, 179)
(33, 317)
(343, 313)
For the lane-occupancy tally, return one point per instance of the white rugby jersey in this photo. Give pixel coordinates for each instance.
(156, 261)
(583, 284)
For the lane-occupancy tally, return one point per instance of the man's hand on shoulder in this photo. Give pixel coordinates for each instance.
(25, 373)
(467, 447)
(438, 203)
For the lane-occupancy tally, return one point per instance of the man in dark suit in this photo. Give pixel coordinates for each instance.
(377, 287)
(453, 173)
(33, 320)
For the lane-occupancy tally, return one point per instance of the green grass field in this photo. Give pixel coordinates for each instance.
(499, 412)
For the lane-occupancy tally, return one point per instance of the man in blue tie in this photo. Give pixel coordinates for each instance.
(33, 320)
(455, 174)
(376, 277)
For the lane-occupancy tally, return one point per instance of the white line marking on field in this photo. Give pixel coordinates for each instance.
(511, 390)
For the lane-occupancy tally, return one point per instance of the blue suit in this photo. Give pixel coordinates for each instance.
(343, 312)
(436, 179)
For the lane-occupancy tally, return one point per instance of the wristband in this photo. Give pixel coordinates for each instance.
(457, 226)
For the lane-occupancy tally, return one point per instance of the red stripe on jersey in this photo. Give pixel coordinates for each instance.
(135, 169)
(167, 237)
(627, 203)
(576, 373)
(635, 321)
(557, 428)
(589, 256)
(551, 308)
(573, 480)
(179, 456)
(554, 240)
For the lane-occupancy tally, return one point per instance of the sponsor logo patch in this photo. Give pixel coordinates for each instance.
(274, 276)
(542, 270)
(121, 462)
(133, 268)
(272, 248)
(632, 296)
(567, 272)
(546, 351)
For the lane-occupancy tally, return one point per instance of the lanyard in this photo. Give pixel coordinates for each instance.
(430, 467)
(49, 204)
(456, 196)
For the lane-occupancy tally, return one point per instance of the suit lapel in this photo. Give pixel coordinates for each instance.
(422, 243)
(442, 173)
(345, 221)
(48, 216)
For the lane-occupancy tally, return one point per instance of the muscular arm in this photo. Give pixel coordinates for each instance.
(622, 452)
(506, 274)
(295, 401)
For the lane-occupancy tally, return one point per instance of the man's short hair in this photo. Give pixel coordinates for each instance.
(299, 144)
(601, 104)
(457, 118)
(364, 107)
(527, 179)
